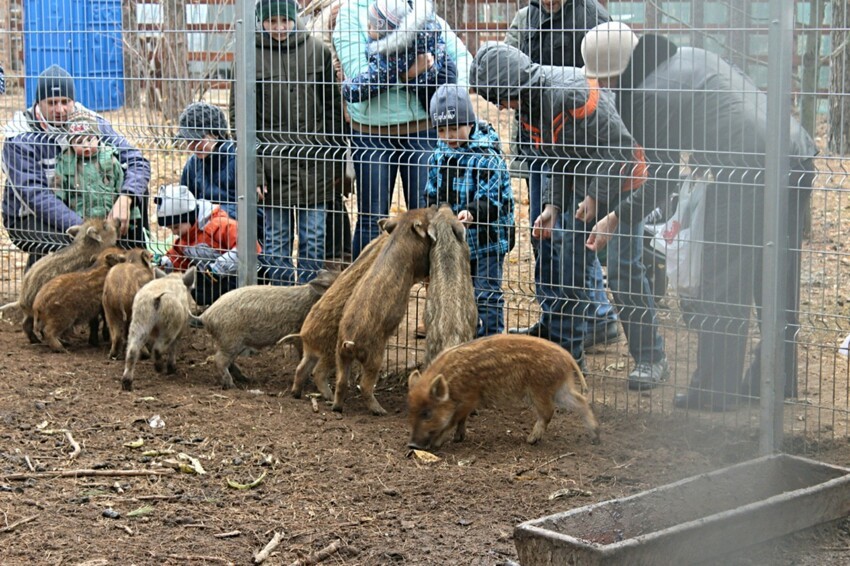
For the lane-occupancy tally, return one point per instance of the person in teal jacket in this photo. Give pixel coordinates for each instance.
(391, 133)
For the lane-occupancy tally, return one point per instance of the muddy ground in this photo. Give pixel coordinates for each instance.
(327, 477)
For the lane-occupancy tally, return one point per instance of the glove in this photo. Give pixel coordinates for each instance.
(226, 264)
(165, 264)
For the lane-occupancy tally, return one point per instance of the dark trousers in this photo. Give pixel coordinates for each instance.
(731, 278)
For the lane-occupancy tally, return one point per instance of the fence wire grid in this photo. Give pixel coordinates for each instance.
(314, 127)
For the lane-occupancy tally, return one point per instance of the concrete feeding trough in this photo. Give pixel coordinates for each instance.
(692, 520)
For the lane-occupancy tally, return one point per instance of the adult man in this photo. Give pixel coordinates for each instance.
(550, 33)
(35, 217)
(683, 99)
(575, 126)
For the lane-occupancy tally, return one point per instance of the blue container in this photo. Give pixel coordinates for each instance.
(83, 37)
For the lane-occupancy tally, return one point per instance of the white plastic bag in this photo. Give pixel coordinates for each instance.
(682, 237)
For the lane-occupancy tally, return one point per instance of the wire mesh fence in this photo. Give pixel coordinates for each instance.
(331, 129)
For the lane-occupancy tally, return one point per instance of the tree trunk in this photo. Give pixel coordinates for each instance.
(174, 59)
(839, 99)
(134, 59)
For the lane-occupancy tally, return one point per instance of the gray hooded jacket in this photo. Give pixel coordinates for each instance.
(570, 121)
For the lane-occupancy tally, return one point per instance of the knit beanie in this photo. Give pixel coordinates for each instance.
(451, 106)
(54, 82)
(175, 204)
(267, 9)
(387, 15)
(200, 119)
(82, 123)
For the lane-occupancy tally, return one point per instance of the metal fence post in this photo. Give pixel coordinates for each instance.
(774, 271)
(245, 86)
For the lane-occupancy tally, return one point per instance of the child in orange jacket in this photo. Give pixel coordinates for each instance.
(206, 239)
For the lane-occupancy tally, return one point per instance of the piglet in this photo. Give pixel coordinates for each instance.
(498, 369)
(160, 316)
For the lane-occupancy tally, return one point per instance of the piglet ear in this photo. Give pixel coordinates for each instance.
(413, 379)
(419, 228)
(460, 231)
(432, 233)
(189, 278)
(92, 233)
(439, 389)
(388, 224)
(73, 230)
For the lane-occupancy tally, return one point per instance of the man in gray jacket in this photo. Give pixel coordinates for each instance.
(575, 126)
(684, 99)
(550, 33)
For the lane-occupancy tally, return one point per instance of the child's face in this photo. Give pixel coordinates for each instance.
(180, 230)
(278, 27)
(85, 146)
(203, 147)
(375, 33)
(455, 136)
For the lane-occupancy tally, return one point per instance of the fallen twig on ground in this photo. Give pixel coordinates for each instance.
(228, 534)
(322, 554)
(16, 524)
(29, 463)
(76, 447)
(546, 463)
(191, 557)
(85, 473)
(267, 550)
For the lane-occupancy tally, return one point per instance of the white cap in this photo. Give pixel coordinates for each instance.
(607, 50)
(175, 204)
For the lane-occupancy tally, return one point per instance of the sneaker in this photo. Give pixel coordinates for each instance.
(648, 375)
(602, 333)
(537, 329)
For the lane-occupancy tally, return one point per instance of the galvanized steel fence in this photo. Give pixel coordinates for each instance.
(329, 171)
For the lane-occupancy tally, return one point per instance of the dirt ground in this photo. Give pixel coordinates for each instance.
(349, 479)
(326, 477)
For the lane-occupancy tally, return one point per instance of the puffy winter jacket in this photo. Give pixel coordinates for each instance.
(555, 38)
(300, 127)
(570, 121)
(475, 177)
(29, 161)
(90, 185)
(676, 99)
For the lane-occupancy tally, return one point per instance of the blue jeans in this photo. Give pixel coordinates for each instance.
(278, 250)
(487, 281)
(633, 295)
(599, 309)
(562, 289)
(377, 161)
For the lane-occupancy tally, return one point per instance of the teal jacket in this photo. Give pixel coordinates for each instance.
(397, 105)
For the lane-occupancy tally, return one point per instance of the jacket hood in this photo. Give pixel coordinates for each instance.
(484, 136)
(501, 73)
(298, 35)
(405, 35)
(650, 52)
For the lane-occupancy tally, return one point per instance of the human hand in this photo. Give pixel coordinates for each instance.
(586, 210)
(602, 233)
(121, 213)
(261, 193)
(421, 64)
(465, 216)
(165, 264)
(543, 224)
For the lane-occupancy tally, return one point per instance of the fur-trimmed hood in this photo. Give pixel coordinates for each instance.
(418, 20)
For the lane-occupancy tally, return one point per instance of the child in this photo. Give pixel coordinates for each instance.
(300, 137)
(206, 238)
(468, 171)
(88, 174)
(398, 34)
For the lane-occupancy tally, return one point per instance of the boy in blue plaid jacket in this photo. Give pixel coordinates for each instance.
(468, 171)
